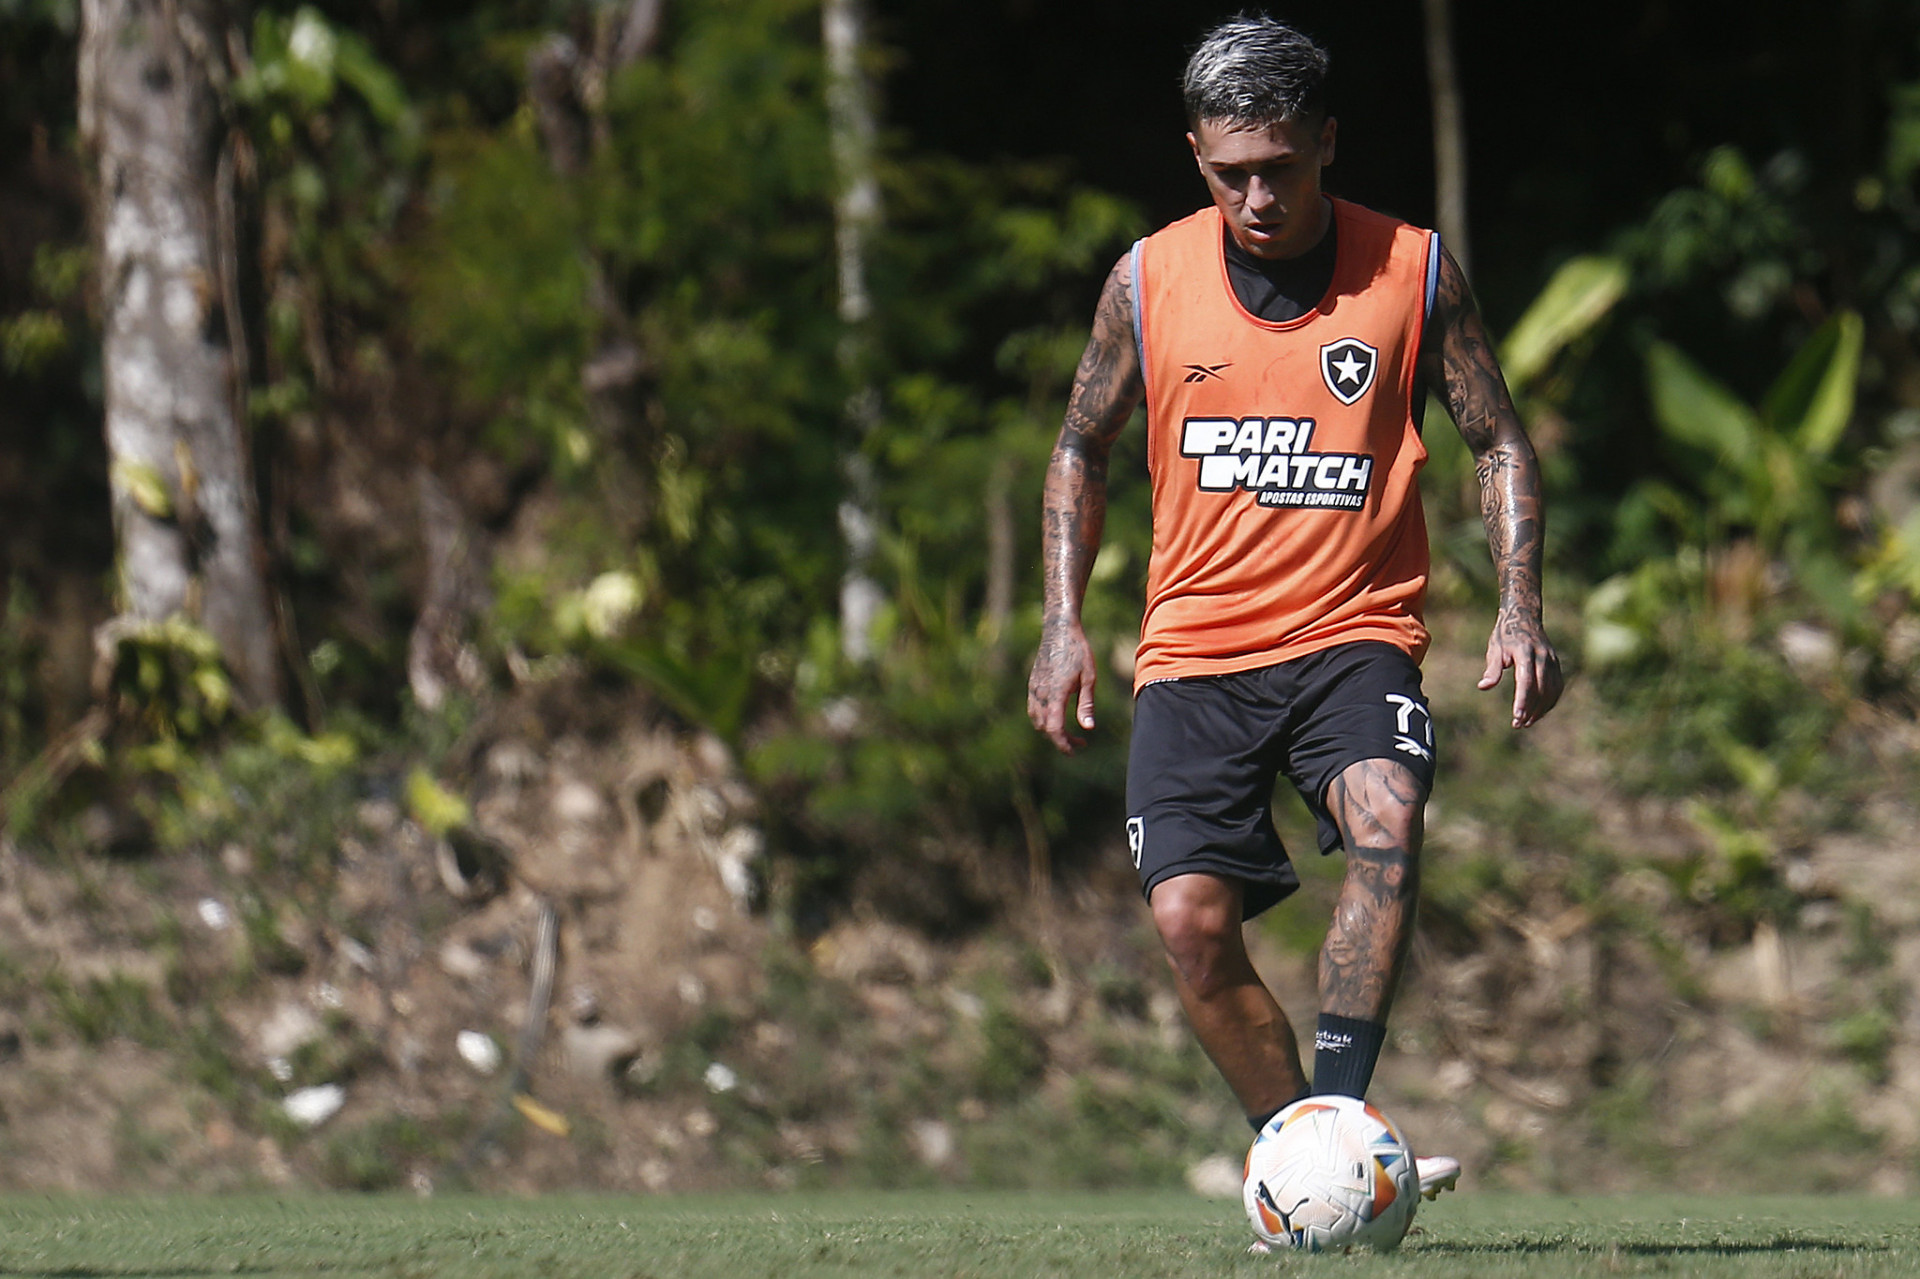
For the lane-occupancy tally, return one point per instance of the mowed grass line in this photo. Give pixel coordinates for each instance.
(952, 1235)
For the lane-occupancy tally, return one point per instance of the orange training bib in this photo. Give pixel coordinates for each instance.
(1284, 458)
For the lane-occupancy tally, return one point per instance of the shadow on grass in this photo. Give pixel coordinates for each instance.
(143, 1272)
(1532, 1247)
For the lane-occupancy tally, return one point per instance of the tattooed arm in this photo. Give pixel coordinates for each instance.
(1105, 390)
(1457, 358)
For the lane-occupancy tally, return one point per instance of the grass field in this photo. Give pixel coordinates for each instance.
(950, 1235)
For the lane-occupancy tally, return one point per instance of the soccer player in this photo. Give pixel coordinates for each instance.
(1284, 342)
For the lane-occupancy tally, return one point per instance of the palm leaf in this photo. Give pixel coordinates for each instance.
(1696, 410)
(1578, 297)
(1812, 400)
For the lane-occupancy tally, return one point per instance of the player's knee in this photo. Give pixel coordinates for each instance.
(1198, 919)
(1379, 804)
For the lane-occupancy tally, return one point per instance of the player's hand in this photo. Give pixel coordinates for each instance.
(1062, 684)
(1521, 642)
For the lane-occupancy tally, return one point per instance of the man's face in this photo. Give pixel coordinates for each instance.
(1265, 181)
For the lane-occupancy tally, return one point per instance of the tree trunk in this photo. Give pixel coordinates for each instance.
(183, 503)
(439, 656)
(1449, 134)
(997, 608)
(567, 89)
(856, 215)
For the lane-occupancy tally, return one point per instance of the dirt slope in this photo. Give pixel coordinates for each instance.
(1571, 1021)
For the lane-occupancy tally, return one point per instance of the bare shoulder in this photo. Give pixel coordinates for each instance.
(1116, 297)
(1108, 383)
(1458, 359)
(1452, 296)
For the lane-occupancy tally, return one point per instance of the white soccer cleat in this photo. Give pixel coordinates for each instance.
(1437, 1173)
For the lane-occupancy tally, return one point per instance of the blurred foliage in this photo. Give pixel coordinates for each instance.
(639, 354)
(693, 544)
(382, 1153)
(436, 809)
(169, 677)
(52, 455)
(1755, 265)
(632, 372)
(329, 146)
(267, 777)
(1724, 400)
(1767, 474)
(712, 576)
(17, 659)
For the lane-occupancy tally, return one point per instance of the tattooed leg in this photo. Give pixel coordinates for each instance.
(1232, 1013)
(1379, 806)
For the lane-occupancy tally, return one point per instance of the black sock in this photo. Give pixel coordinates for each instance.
(1344, 1054)
(1257, 1122)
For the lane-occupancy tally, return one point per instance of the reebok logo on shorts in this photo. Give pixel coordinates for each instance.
(1136, 839)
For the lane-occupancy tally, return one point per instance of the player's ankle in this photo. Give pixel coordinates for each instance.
(1259, 1121)
(1345, 1051)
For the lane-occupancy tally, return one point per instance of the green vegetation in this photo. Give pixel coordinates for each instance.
(556, 414)
(935, 1236)
(620, 293)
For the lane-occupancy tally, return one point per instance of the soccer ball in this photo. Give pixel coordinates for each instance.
(1329, 1173)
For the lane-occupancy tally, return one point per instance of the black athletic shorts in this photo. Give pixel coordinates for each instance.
(1206, 752)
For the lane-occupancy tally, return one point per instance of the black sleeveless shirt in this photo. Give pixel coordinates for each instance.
(1285, 289)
